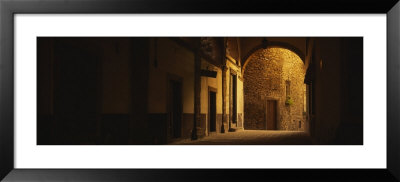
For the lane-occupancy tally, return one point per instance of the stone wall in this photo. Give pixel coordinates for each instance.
(265, 79)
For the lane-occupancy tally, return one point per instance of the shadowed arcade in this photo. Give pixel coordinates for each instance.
(199, 90)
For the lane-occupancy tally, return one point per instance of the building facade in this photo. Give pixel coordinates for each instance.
(157, 90)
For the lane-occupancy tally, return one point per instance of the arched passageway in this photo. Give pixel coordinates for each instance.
(214, 90)
(274, 90)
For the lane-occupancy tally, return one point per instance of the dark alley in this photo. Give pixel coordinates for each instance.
(200, 90)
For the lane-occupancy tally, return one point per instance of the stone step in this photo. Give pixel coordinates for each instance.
(236, 129)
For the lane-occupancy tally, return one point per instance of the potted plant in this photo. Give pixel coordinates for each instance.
(289, 101)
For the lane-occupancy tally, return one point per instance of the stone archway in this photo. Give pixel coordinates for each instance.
(274, 74)
(272, 44)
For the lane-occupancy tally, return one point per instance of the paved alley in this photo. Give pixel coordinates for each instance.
(252, 137)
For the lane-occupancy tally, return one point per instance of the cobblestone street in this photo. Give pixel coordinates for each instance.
(252, 137)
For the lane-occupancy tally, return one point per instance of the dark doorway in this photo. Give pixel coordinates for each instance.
(175, 114)
(76, 86)
(271, 115)
(213, 110)
(233, 99)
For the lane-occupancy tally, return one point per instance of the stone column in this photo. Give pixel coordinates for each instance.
(197, 89)
(224, 69)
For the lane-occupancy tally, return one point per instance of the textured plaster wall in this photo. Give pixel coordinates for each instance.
(215, 83)
(116, 76)
(172, 59)
(265, 79)
(114, 58)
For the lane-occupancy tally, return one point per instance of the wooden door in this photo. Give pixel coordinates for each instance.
(213, 111)
(233, 100)
(271, 114)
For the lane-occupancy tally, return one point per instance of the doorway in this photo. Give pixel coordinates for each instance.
(233, 100)
(212, 110)
(175, 109)
(271, 112)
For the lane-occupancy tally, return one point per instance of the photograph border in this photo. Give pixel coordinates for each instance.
(9, 8)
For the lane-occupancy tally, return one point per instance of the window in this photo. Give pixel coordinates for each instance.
(287, 88)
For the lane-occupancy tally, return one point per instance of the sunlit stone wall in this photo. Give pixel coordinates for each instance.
(265, 77)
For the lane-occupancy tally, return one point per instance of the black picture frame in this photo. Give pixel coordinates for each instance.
(8, 8)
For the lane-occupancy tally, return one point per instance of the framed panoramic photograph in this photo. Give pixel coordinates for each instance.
(199, 91)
